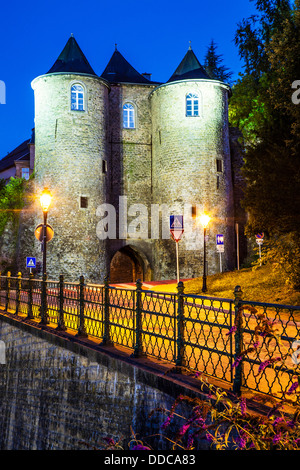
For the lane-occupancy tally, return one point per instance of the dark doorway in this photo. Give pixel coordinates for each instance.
(126, 266)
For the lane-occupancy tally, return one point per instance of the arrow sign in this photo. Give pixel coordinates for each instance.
(30, 262)
(176, 227)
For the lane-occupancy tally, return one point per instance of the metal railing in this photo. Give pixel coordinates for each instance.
(245, 343)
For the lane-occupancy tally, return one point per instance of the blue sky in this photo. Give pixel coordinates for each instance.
(152, 36)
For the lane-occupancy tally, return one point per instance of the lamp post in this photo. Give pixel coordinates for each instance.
(204, 220)
(45, 200)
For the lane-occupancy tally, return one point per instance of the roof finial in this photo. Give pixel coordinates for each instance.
(190, 46)
(72, 35)
(116, 47)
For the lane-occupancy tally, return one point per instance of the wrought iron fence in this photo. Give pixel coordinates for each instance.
(245, 343)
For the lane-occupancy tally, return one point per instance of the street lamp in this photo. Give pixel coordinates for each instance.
(45, 200)
(204, 220)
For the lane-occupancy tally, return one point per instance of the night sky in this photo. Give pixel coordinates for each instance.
(152, 36)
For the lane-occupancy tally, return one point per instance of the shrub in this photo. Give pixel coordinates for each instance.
(283, 253)
(11, 201)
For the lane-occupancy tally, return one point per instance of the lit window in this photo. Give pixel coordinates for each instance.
(192, 104)
(25, 173)
(77, 98)
(128, 116)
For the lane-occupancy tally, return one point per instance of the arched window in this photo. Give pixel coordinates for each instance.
(128, 116)
(77, 97)
(192, 104)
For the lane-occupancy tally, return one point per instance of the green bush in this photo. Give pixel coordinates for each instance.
(283, 253)
(11, 200)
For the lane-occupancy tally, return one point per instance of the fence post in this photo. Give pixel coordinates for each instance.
(44, 319)
(106, 328)
(138, 320)
(18, 292)
(81, 329)
(180, 327)
(61, 320)
(30, 296)
(8, 280)
(237, 381)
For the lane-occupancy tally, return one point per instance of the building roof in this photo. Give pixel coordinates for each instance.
(189, 68)
(118, 70)
(72, 60)
(19, 153)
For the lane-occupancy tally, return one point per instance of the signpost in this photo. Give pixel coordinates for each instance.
(220, 247)
(259, 241)
(176, 229)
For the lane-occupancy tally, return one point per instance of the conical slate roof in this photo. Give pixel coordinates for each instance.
(72, 60)
(189, 68)
(118, 70)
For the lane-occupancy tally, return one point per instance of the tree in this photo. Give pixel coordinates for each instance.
(213, 64)
(254, 33)
(262, 108)
(271, 124)
(11, 201)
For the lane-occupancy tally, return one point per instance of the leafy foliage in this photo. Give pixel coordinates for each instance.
(283, 253)
(262, 108)
(11, 200)
(254, 33)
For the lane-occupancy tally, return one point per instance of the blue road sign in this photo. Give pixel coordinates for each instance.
(176, 222)
(220, 239)
(176, 227)
(30, 262)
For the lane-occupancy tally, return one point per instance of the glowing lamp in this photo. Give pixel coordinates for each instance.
(204, 220)
(45, 200)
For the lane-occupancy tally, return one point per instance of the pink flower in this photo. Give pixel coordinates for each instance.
(293, 387)
(183, 429)
(166, 423)
(140, 447)
(197, 374)
(242, 442)
(237, 361)
(265, 364)
(231, 331)
(190, 442)
(243, 405)
(277, 438)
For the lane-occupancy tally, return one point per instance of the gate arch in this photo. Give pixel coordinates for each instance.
(129, 264)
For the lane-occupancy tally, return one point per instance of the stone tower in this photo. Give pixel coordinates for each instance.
(192, 165)
(71, 106)
(161, 147)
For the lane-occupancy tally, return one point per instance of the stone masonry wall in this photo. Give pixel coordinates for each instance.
(70, 147)
(52, 398)
(185, 150)
(130, 159)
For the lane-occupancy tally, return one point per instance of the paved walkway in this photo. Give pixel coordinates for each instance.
(158, 286)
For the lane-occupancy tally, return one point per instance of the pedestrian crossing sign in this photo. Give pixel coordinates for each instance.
(176, 227)
(30, 262)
